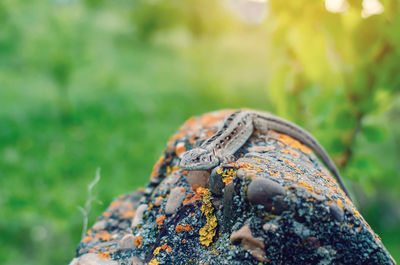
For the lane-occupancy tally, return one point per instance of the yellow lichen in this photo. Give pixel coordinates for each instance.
(208, 232)
(156, 251)
(153, 261)
(227, 175)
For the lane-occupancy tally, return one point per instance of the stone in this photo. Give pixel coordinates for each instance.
(262, 191)
(249, 242)
(306, 233)
(248, 173)
(126, 243)
(228, 211)
(158, 201)
(94, 259)
(138, 218)
(199, 177)
(301, 230)
(319, 198)
(100, 225)
(123, 225)
(216, 184)
(336, 212)
(270, 227)
(135, 261)
(74, 261)
(261, 148)
(174, 201)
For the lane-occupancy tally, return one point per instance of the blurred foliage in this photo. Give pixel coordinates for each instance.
(87, 84)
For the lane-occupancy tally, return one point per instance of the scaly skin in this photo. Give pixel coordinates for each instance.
(237, 129)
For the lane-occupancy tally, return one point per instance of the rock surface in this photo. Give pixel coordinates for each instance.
(276, 204)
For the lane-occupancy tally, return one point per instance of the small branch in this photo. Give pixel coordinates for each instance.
(348, 152)
(88, 204)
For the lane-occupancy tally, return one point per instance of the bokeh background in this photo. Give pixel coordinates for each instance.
(93, 83)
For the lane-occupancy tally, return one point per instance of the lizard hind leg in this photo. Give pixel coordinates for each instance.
(261, 126)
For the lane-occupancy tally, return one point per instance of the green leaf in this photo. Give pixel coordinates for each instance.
(345, 119)
(373, 133)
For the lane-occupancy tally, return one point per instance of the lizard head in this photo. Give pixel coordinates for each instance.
(198, 159)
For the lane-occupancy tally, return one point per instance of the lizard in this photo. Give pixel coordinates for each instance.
(237, 129)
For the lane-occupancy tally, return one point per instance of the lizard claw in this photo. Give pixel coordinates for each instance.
(228, 161)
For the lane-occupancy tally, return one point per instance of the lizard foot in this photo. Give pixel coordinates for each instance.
(228, 161)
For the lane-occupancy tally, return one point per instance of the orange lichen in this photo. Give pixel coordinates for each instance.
(197, 196)
(106, 214)
(290, 163)
(180, 148)
(306, 185)
(160, 219)
(227, 175)
(127, 214)
(158, 164)
(273, 172)
(164, 246)
(294, 143)
(115, 204)
(87, 239)
(181, 228)
(169, 249)
(290, 152)
(104, 255)
(340, 203)
(103, 235)
(94, 249)
(137, 241)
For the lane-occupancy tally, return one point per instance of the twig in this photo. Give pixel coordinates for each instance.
(88, 204)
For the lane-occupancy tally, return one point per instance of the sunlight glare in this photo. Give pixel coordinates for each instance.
(371, 7)
(336, 6)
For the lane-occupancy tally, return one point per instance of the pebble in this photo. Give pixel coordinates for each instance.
(123, 225)
(158, 201)
(313, 242)
(174, 201)
(270, 227)
(199, 177)
(135, 261)
(228, 210)
(318, 197)
(100, 225)
(74, 261)
(301, 230)
(216, 184)
(245, 173)
(126, 243)
(249, 242)
(336, 211)
(262, 148)
(113, 223)
(93, 259)
(138, 218)
(262, 191)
